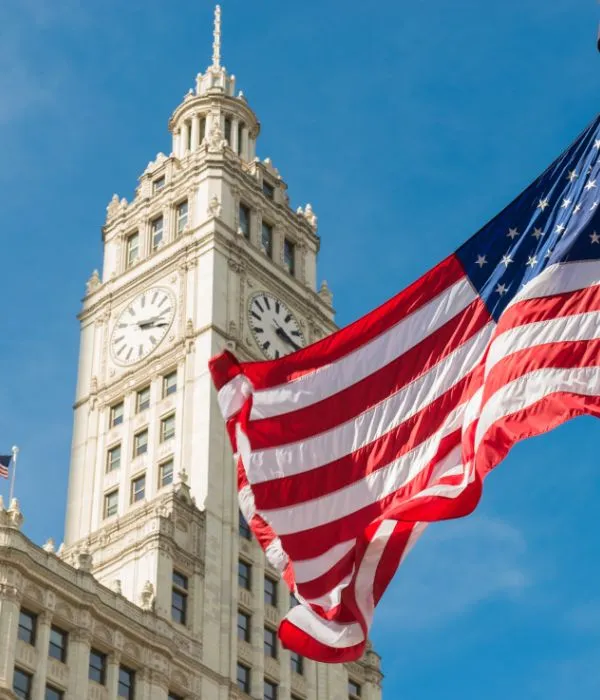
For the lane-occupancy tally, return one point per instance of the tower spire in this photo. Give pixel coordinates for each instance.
(216, 58)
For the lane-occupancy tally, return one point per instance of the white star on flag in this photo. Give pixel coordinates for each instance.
(577, 209)
(537, 233)
(595, 237)
(597, 144)
(481, 260)
(532, 262)
(560, 228)
(548, 253)
(594, 206)
(572, 175)
(542, 204)
(506, 260)
(590, 184)
(512, 233)
(565, 203)
(501, 289)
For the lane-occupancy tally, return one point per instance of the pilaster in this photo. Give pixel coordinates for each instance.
(9, 622)
(43, 641)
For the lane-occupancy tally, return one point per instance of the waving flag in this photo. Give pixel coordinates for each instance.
(347, 448)
(4, 465)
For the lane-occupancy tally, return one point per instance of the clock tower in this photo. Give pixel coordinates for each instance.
(207, 255)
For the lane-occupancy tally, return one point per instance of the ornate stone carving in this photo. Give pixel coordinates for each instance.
(93, 283)
(147, 597)
(83, 559)
(214, 207)
(113, 206)
(216, 141)
(325, 293)
(116, 586)
(49, 546)
(310, 216)
(15, 517)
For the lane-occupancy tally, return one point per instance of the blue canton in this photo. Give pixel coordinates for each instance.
(556, 219)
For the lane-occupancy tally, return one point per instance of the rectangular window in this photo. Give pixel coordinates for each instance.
(289, 256)
(27, 626)
(243, 626)
(354, 689)
(270, 645)
(158, 184)
(270, 591)
(138, 488)
(167, 428)
(268, 189)
(169, 384)
(113, 459)
(116, 414)
(126, 687)
(57, 648)
(244, 575)
(140, 443)
(270, 692)
(165, 473)
(133, 249)
(53, 693)
(97, 667)
(267, 239)
(243, 678)
(111, 503)
(179, 595)
(240, 142)
(297, 663)
(22, 684)
(244, 529)
(188, 145)
(157, 232)
(244, 216)
(202, 133)
(142, 400)
(173, 696)
(228, 131)
(182, 216)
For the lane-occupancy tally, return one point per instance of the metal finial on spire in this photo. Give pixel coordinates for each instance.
(216, 60)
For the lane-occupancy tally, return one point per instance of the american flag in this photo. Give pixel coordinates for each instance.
(4, 464)
(347, 448)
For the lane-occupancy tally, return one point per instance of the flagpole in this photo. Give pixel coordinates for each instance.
(15, 452)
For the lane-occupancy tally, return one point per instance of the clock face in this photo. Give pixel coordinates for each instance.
(142, 325)
(275, 328)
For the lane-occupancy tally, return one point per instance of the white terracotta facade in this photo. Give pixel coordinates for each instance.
(152, 502)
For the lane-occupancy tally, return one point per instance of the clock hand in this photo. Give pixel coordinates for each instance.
(285, 337)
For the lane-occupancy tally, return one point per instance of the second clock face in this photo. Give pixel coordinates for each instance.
(275, 328)
(142, 325)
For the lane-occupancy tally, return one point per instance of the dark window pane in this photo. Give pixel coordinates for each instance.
(126, 685)
(243, 678)
(244, 529)
(166, 473)
(270, 691)
(27, 626)
(268, 189)
(53, 693)
(180, 580)
(142, 401)
(170, 384)
(270, 645)
(58, 644)
(22, 684)
(354, 689)
(270, 591)
(267, 239)
(245, 220)
(97, 667)
(243, 626)
(244, 574)
(297, 663)
(228, 131)
(172, 696)
(289, 256)
(179, 598)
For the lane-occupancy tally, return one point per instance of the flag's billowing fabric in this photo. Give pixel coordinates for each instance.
(347, 448)
(4, 464)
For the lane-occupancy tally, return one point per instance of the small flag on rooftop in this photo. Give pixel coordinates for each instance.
(4, 464)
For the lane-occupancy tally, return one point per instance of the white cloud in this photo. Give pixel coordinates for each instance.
(455, 566)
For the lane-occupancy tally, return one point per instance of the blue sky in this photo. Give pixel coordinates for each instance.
(407, 126)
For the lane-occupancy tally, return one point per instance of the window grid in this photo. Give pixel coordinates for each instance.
(268, 190)
(116, 414)
(113, 459)
(244, 622)
(244, 575)
(111, 503)
(126, 687)
(158, 184)
(22, 683)
(167, 428)
(270, 643)
(270, 589)
(157, 227)
(244, 217)
(138, 488)
(244, 528)
(27, 626)
(202, 133)
(182, 216)
(240, 136)
(142, 400)
(354, 689)
(267, 239)
(289, 256)
(97, 667)
(133, 249)
(297, 663)
(243, 678)
(57, 647)
(227, 133)
(270, 690)
(140, 443)
(179, 598)
(169, 384)
(166, 473)
(53, 693)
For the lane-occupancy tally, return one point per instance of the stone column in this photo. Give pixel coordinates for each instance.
(258, 627)
(176, 142)
(158, 686)
(112, 674)
(78, 661)
(44, 621)
(195, 131)
(185, 135)
(244, 141)
(9, 623)
(234, 135)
